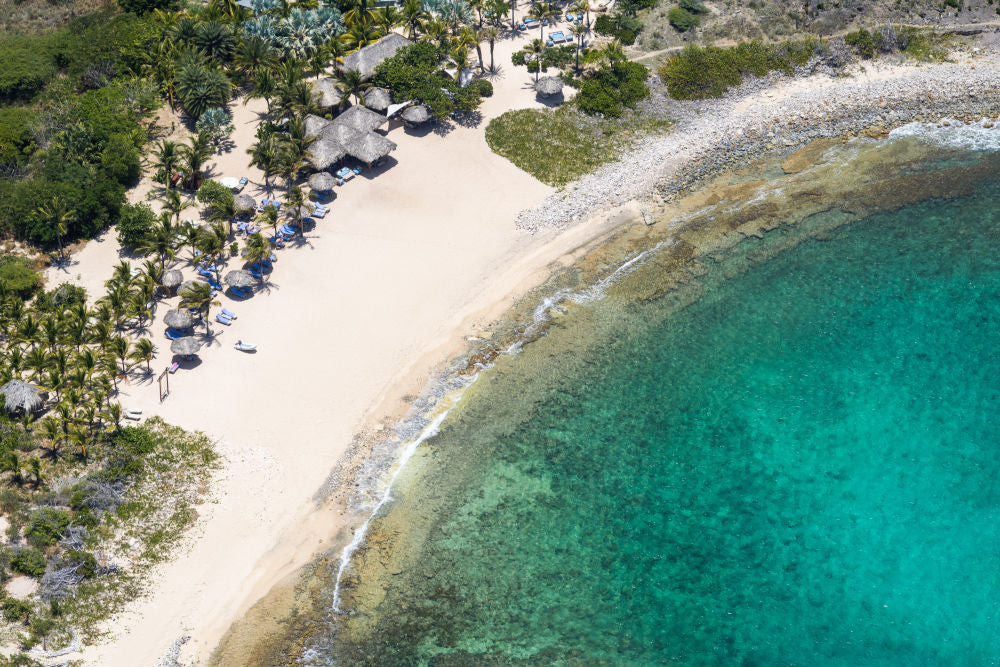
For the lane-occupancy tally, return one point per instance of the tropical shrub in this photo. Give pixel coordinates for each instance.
(17, 277)
(483, 87)
(146, 6)
(134, 224)
(46, 526)
(612, 88)
(201, 87)
(215, 194)
(682, 20)
(29, 561)
(66, 294)
(693, 6)
(16, 139)
(701, 72)
(412, 74)
(620, 26)
(216, 123)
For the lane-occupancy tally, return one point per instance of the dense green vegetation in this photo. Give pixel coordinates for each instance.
(560, 145)
(700, 72)
(412, 74)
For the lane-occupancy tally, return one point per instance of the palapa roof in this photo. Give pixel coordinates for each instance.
(416, 114)
(322, 181)
(366, 59)
(244, 202)
(314, 125)
(178, 318)
(19, 395)
(324, 152)
(172, 278)
(329, 92)
(369, 147)
(360, 118)
(340, 133)
(378, 99)
(549, 85)
(185, 345)
(239, 278)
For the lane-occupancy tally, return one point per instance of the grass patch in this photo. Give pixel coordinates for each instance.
(925, 45)
(701, 72)
(561, 145)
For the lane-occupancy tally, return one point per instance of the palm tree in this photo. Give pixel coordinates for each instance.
(12, 464)
(269, 216)
(198, 295)
(361, 33)
(263, 87)
(160, 240)
(413, 14)
(548, 11)
(477, 5)
(387, 18)
(50, 431)
(254, 55)
(579, 30)
(257, 248)
(360, 10)
(582, 7)
(143, 350)
(294, 199)
(354, 83)
(173, 204)
(459, 57)
(35, 469)
(490, 34)
(535, 49)
(613, 52)
(215, 40)
(166, 158)
(201, 87)
(195, 155)
(57, 214)
(120, 348)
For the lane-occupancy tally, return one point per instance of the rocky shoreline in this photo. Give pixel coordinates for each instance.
(773, 113)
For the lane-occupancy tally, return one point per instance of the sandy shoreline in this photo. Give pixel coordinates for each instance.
(390, 285)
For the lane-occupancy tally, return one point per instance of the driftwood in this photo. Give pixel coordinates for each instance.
(61, 582)
(74, 538)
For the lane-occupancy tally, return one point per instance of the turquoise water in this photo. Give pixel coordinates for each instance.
(800, 468)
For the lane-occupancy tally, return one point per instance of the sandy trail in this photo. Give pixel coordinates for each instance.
(351, 320)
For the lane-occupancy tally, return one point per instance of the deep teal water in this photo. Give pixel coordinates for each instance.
(801, 468)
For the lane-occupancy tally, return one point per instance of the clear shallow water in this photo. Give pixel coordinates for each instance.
(799, 468)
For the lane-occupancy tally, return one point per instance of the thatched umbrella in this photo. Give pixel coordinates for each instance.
(378, 99)
(330, 94)
(172, 278)
(178, 318)
(549, 85)
(185, 346)
(369, 147)
(303, 212)
(315, 125)
(324, 152)
(360, 118)
(244, 203)
(416, 114)
(322, 182)
(339, 133)
(239, 278)
(19, 395)
(366, 59)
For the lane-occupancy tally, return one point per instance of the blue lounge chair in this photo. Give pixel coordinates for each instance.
(228, 313)
(222, 319)
(215, 285)
(174, 334)
(205, 272)
(243, 182)
(255, 274)
(240, 291)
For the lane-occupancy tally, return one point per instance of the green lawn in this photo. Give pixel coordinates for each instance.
(561, 145)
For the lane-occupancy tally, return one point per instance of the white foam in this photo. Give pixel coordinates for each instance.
(956, 134)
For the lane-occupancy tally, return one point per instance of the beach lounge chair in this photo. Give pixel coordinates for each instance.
(215, 285)
(205, 272)
(174, 334)
(240, 292)
(228, 313)
(242, 184)
(222, 319)
(255, 274)
(245, 347)
(273, 257)
(134, 415)
(173, 367)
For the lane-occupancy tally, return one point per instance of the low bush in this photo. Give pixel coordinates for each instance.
(412, 74)
(613, 88)
(484, 87)
(29, 561)
(682, 20)
(46, 526)
(85, 560)
(15, 611)
(622, 27)
(66, 294)
(134, 223)
(18, 278)
(701, 72)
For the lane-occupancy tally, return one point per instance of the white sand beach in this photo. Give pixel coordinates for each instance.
(413, 256)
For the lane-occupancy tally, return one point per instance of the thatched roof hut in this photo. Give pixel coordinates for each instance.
(360, 118)
(378, 99)
(172, 278)
(340, 133)
(322, 182)
(239, 278)
(369, 147)
(324, 152)
(549, 85)
(329, 92)
(178, 318)
(185, 346)
(243, 203)
(416, 114)
(19, 395)
(314, 125)
(366, 59)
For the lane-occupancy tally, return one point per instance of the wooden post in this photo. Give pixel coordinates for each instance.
(164, 382)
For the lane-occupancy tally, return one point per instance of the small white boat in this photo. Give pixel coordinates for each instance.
(245, 347)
